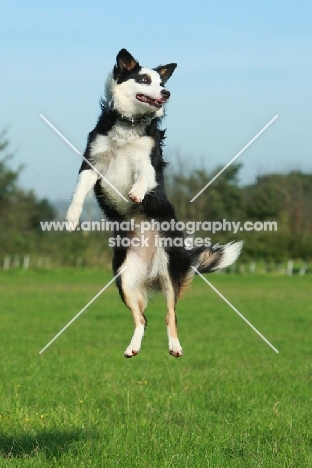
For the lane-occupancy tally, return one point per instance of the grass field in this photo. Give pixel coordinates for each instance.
(230, 401)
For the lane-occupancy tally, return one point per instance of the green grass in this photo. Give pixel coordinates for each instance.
(230, 401)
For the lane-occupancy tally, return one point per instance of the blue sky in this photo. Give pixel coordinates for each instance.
(239, 64)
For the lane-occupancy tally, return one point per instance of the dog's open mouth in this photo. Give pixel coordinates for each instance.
(152, 102)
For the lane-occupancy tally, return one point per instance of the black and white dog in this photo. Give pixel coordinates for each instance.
(126, 148)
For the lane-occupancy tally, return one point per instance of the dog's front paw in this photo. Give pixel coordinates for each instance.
(136, 193)
(72, 217)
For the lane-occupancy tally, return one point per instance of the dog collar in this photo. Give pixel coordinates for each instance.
(140, 120)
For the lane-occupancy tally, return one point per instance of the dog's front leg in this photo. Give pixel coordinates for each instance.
(145, 182)
(144, 172)
(86, 182)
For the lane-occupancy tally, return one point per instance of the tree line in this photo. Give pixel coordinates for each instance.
(283, 198)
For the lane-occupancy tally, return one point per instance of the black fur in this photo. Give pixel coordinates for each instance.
(125, 66)
(155, 205)
(149, 204)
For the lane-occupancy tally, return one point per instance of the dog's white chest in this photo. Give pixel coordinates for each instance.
(120, 163)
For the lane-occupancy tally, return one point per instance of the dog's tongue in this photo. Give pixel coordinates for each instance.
(151, 101)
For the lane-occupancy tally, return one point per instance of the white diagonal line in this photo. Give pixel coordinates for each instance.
(235, 157)
(235, 310)
(86, 160)
(60, 134)
(82, 310)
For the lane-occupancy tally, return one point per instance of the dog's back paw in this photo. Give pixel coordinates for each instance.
(175, 348)
(129, 353)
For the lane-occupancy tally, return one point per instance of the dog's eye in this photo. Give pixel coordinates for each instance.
(145, 79)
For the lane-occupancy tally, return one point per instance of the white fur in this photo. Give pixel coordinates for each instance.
(122, 133)
(175, 348)
(133, 282)
(159, 265)
(231, 252)
(174, 345)
(145, 264)
(123, 155)
(124, 94)
(127, 165)
(86, 182)
(135, 343)
(145, 260)
(136, 272)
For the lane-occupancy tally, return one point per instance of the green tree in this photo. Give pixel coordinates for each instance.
(20, 210)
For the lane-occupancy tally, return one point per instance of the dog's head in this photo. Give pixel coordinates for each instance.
(135, 90)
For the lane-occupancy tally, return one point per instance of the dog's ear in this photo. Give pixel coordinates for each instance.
(125, 63)
(166, 71)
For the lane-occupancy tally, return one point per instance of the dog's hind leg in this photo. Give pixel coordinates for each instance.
(175, 348)
(135, 302)
(134, 295)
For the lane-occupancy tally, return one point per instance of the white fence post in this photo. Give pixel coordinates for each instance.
(289, 269)
(6, 262)
(302, 270)
(26, 262)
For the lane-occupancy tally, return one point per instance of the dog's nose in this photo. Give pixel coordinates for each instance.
(165, 93)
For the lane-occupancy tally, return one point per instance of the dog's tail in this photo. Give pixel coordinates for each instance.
(206, 260)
